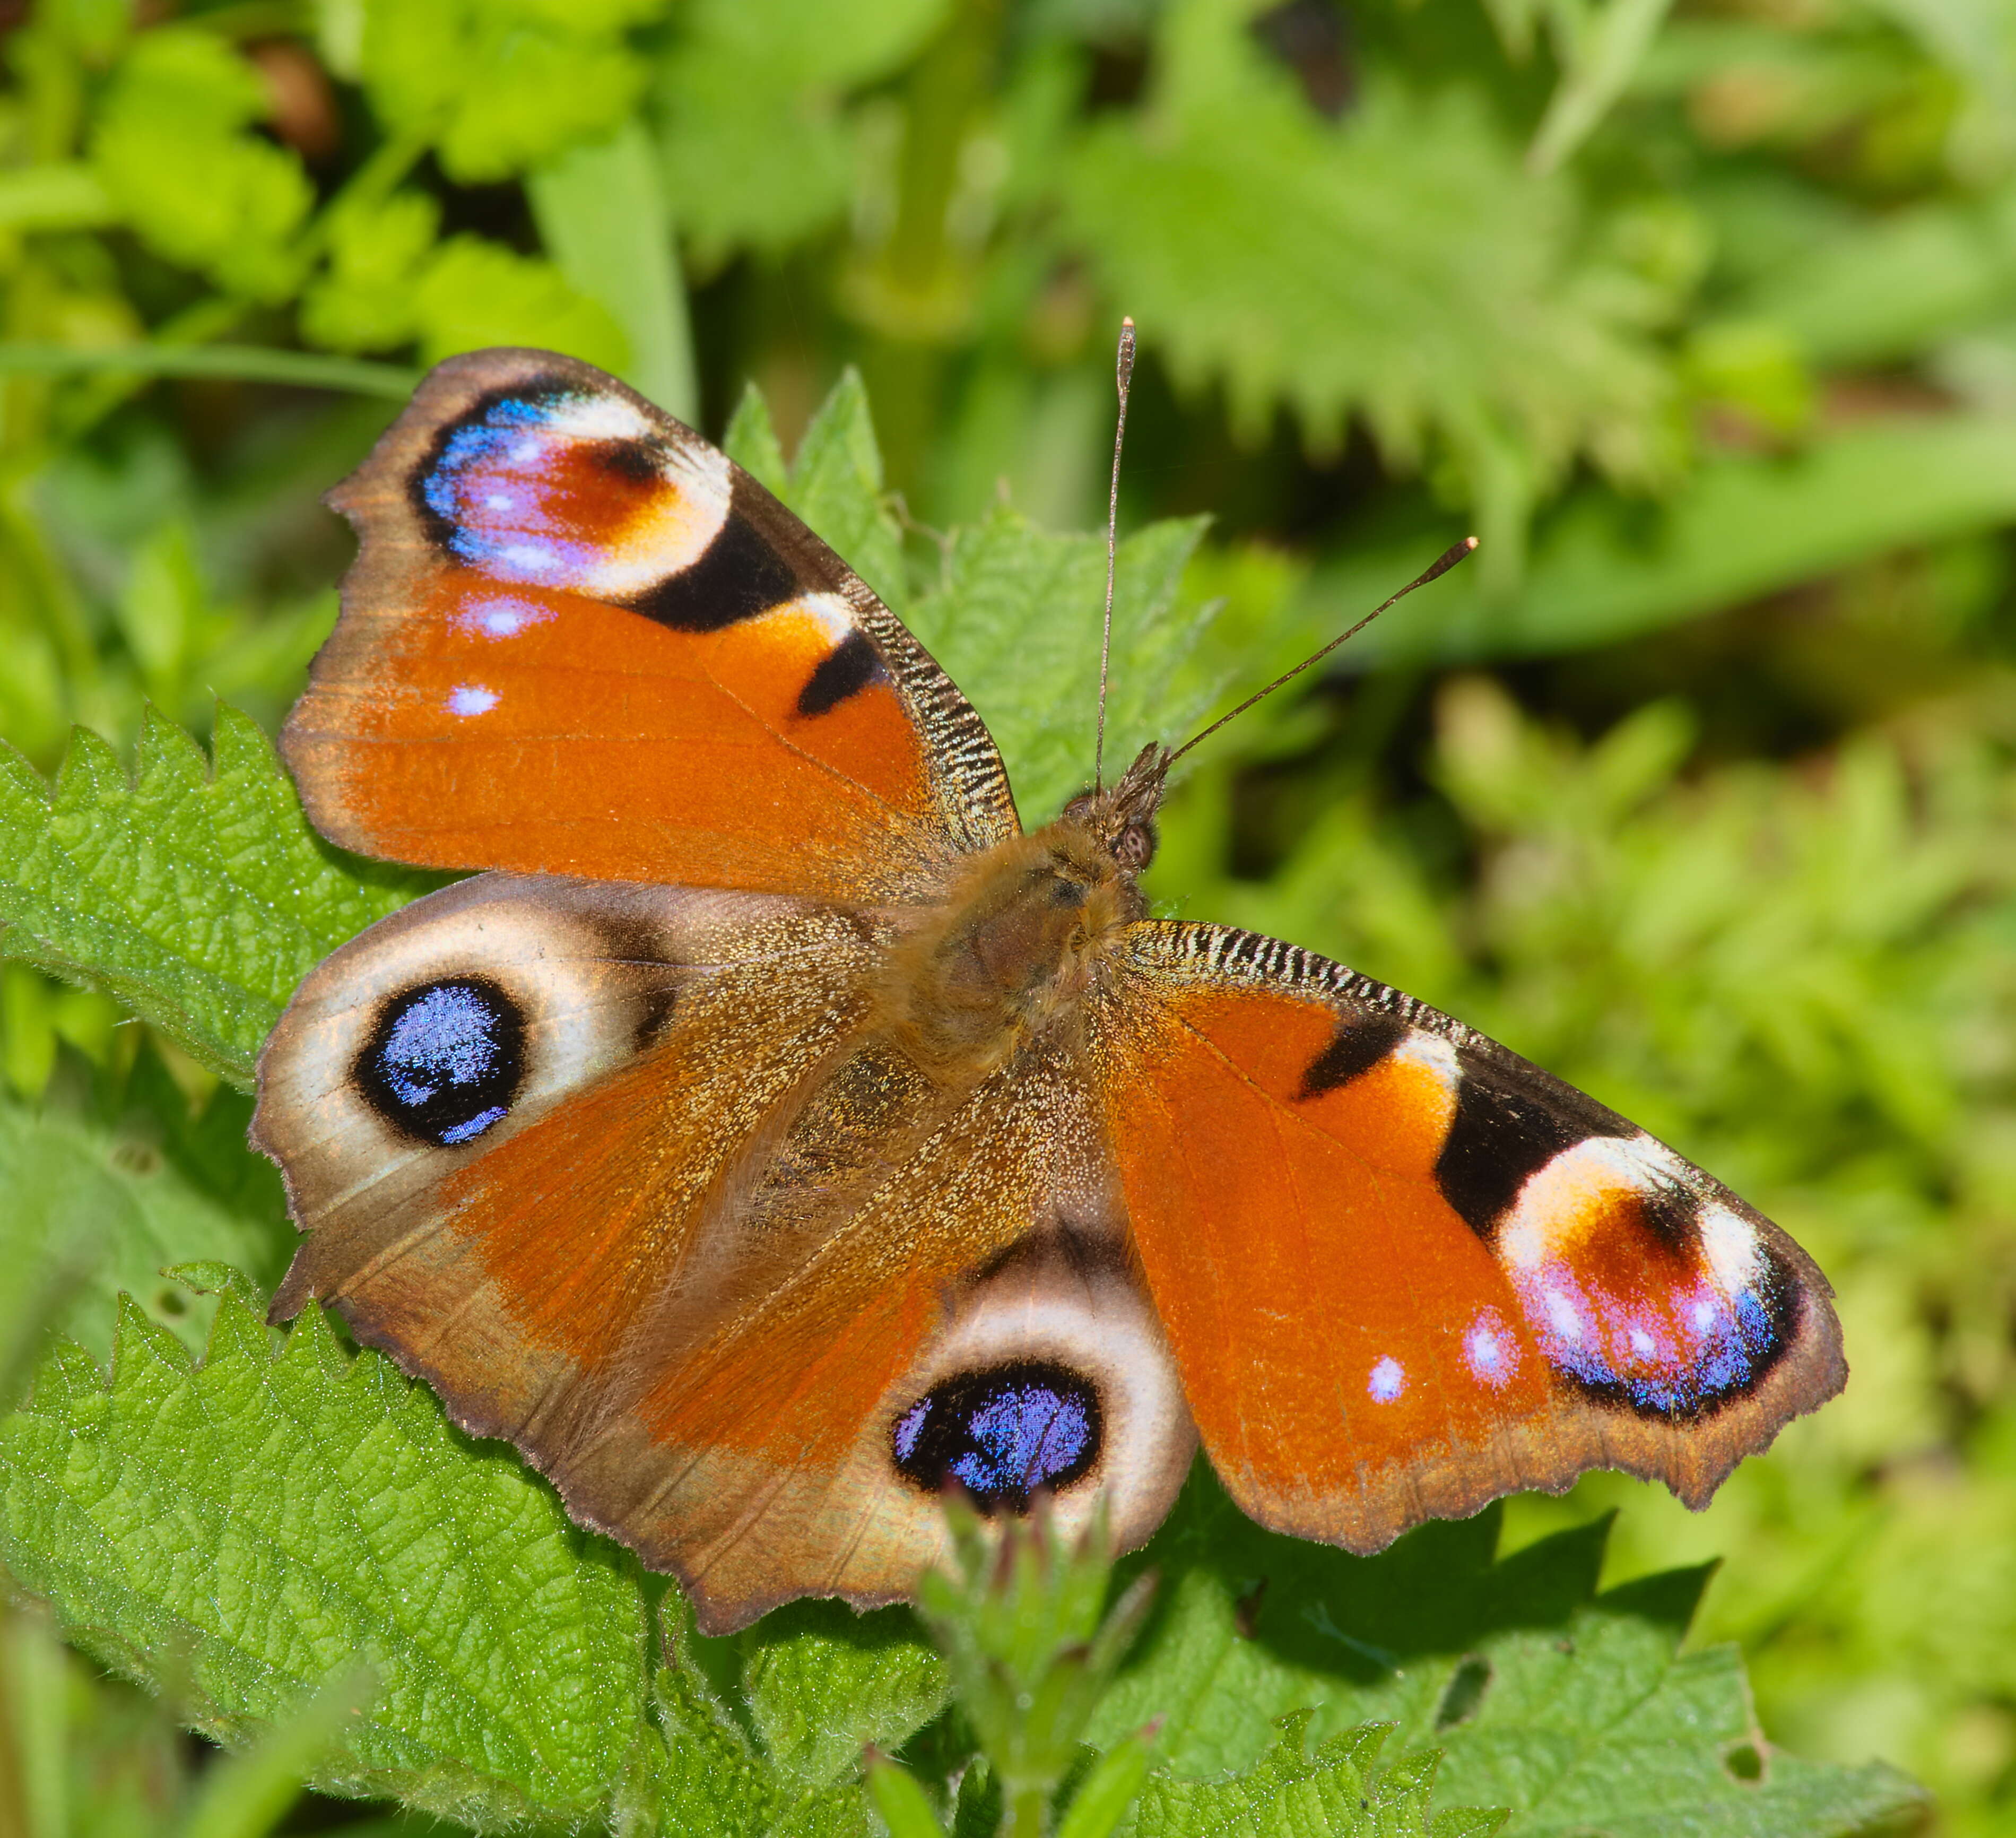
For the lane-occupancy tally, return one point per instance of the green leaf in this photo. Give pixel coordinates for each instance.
(475, 293)
(1602, 51)
(91, 1211)
(821, 1682)
(751, 442)
(836, 486)
(198, 899)
(1575, 1709)
(171, 149)
(498, 85)
(1401, 264)
(813, 1686)
(1339, 1791)
(905, 1807)
(1878, 292)
(759, 153)
(1109, 1789)
(242, 1530)
(57, 195)
(1015, 618)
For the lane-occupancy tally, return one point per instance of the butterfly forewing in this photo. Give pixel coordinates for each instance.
(577, 639)
(1403, 1271)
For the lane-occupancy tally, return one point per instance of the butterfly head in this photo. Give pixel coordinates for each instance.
(1123, 819)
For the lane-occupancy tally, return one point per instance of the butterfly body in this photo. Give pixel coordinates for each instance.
(778, 1133)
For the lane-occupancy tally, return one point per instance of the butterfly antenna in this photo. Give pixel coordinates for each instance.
(1124, 375)
(1440, 566)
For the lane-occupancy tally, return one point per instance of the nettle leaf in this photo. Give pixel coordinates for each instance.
(1400, 264)
(92, 1210)
(1575, 1709)
(498, 85)
(811, 1686)
(172, 148)
(197, 898)
(238, 1532)
(820, 1682)
(1015, 612)
(1340, 1790)
(1015, 617)
(757, 150)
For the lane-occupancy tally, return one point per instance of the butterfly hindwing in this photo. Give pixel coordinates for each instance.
(1403, 1271)
(577, 639)
(634, 1177)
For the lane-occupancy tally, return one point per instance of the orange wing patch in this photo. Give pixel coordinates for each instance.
(537, 729)
(1334, 1319)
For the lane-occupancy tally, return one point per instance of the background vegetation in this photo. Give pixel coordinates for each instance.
(1696, 786)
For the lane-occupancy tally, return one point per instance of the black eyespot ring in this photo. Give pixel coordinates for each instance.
(1001, 1434)
(445, 1061)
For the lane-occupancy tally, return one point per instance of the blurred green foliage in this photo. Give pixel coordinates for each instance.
(1697, 787)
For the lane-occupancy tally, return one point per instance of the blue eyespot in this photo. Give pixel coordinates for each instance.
(445, 1060)
(1001, 1434)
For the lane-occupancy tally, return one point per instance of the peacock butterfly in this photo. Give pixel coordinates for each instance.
(776, 1134)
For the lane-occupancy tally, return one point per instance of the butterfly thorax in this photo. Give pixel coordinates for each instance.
(1013, 951)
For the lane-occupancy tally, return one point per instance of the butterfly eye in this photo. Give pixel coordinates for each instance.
(1001, 1434)
(445, 1060)
(1134, 849)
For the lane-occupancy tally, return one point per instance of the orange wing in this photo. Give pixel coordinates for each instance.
(1403, 1271)
(576, 639)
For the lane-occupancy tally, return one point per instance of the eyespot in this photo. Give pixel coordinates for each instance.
(445, 1060)
(1001, 1434)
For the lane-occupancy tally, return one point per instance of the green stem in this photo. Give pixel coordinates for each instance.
(244, 363)
(1025, 1812)
(948, 88)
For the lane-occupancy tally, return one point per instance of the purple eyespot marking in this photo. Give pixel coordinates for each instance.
(445, 1060)
(498, 616)
(1489, 1348)
(909, 1427)
(1389, 1380)
(498, 490)
(1669, 1355)
(1001, 1434)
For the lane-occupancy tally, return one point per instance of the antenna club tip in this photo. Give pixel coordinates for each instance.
(1469, 542)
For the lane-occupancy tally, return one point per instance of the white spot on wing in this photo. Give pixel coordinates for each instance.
(1420, 1048)
(1730, 1248)
(835, 616)
(597, 418)
(1561, 1315)
(471, 698)
(1389, 1380)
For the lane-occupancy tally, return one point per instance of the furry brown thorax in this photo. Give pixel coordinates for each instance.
(1015, 948)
